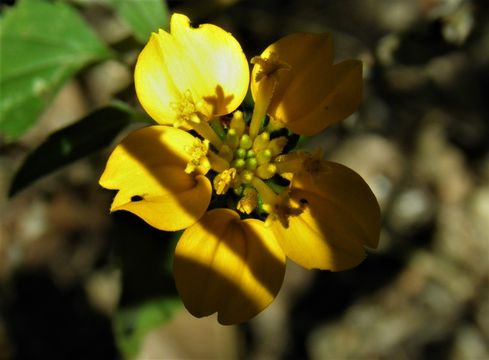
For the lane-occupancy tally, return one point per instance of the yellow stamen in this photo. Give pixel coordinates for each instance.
(264, 156)
(232, 138)
(249, 201)
(266, 171)
(290, 163)
(262, 100)
(190, 114)
(187, 110)
(207, 132)
(224, 180)
(261, 141)
(268, 79)
(277, 145)
(226, 153)
(274, 125)
(270, 198)
(269, 66)
(217, 163)
(198, 153)
(238, 123)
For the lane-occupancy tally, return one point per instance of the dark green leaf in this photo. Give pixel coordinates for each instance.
(143, 17)
(92, 133)
(43, 45)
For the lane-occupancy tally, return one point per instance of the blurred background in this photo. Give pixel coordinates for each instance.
(77, 282)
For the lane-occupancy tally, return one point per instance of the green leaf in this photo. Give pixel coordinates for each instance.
(133, 324)
(94, 132)
(143, 16)
(43, 45)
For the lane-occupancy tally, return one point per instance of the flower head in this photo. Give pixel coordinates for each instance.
(274, 203)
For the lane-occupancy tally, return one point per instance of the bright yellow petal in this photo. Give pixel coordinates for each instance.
(313, 93)
(147, 169)
(342, 100)
(206, 61)
(301, 52)
(154, 84)
(341, 216)
(226, 265)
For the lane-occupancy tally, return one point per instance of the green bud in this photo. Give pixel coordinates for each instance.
(239, 163)
(240, 153)
(245, 142)
(251, 164)
(250, 154)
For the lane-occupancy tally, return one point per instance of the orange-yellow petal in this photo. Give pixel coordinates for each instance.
(226, 265)
(342, 100)
(204, 66)
(341, 216)
(148, 170)
(313, 93)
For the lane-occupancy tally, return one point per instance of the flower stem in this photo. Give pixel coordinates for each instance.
(267, 194)
(218, 163)
(207, 132)
(262, 101)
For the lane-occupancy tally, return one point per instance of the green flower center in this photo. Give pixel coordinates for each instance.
(252, 165)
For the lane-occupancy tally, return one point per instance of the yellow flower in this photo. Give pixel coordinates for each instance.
(279, 204)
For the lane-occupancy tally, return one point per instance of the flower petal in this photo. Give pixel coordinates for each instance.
(206, 61)
(313, 93)
(147, 169)
(342, 100)
(341, 216)
(230, 266)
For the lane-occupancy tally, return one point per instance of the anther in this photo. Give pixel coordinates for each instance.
(224, 180)
(268, 66)
(198, 156)
(249, 201)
